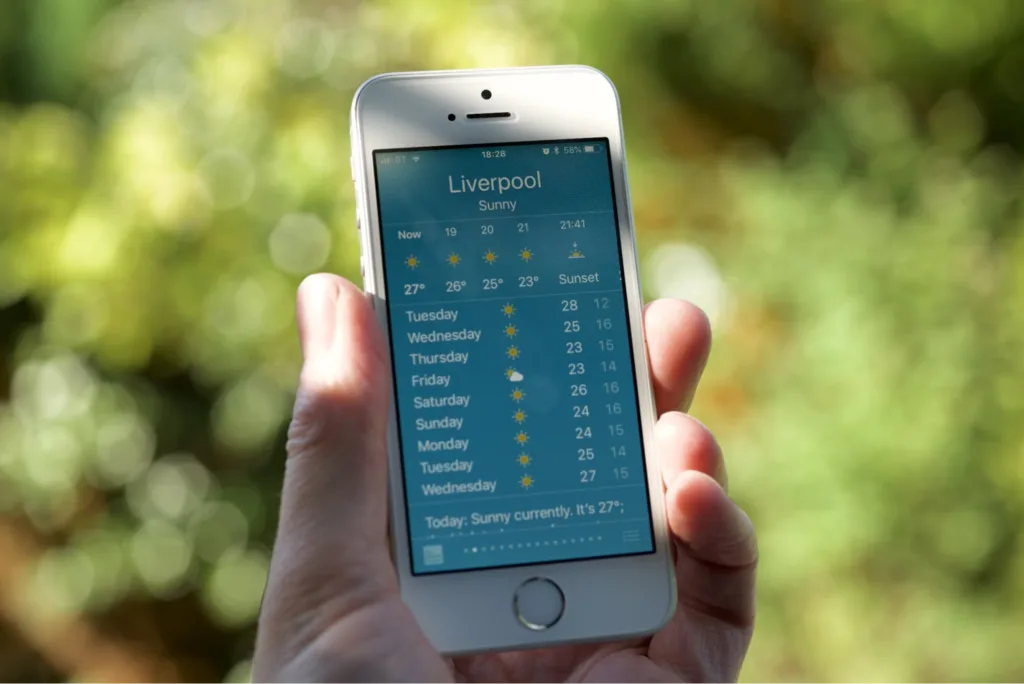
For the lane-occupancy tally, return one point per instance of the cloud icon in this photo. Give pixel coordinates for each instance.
(515, 376)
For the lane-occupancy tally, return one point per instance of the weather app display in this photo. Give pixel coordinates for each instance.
(516, 400)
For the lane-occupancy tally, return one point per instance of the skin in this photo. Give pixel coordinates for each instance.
(332, 609)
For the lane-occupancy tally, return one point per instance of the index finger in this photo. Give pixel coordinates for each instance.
(678, 343)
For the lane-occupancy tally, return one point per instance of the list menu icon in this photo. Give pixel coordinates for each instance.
(433, 554)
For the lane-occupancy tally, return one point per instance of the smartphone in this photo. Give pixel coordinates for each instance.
(498, 245)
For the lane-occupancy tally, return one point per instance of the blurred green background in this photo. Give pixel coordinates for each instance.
(837, 183)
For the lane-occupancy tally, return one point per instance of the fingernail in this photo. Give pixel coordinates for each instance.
(316, 313)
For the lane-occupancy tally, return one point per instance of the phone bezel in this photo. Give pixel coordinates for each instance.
(471, 610)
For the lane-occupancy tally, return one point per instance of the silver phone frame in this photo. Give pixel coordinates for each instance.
(471, 611)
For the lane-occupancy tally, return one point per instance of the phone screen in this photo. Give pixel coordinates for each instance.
(516, 396)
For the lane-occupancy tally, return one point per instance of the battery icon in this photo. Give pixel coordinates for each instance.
(588, 148)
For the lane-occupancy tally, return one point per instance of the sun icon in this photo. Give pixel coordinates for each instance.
(523, 459)
(508, 310)
(511, 330)
(454, 259)
(513, 352)
(526, 481)
(518, 394)
(519, 416)
(521, 438)
(526, 254)
(412, 262)
(490, 257)
(510, 373)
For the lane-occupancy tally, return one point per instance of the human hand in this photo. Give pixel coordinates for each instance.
(332, 609)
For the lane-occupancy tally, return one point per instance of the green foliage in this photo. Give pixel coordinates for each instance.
(837, 183)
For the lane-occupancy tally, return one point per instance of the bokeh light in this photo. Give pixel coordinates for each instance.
(234, 588)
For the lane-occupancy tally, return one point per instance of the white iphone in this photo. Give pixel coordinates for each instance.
(526, 506)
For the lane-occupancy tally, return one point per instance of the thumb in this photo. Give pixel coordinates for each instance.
(331, 555)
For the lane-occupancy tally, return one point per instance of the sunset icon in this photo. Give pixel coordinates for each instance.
(518, 394)
(523, 459)
(526, 254)
(490, 257)
(526, 481)
(454, 259)
(521, 438)
(508, 310)
(412, 262)
(519, 416)
(513, 352)
(511, 330)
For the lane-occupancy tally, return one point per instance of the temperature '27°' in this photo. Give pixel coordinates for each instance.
(606, 507)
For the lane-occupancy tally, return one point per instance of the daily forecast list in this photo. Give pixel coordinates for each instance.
(516, 400)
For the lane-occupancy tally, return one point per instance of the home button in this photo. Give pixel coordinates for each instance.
(538, 603)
